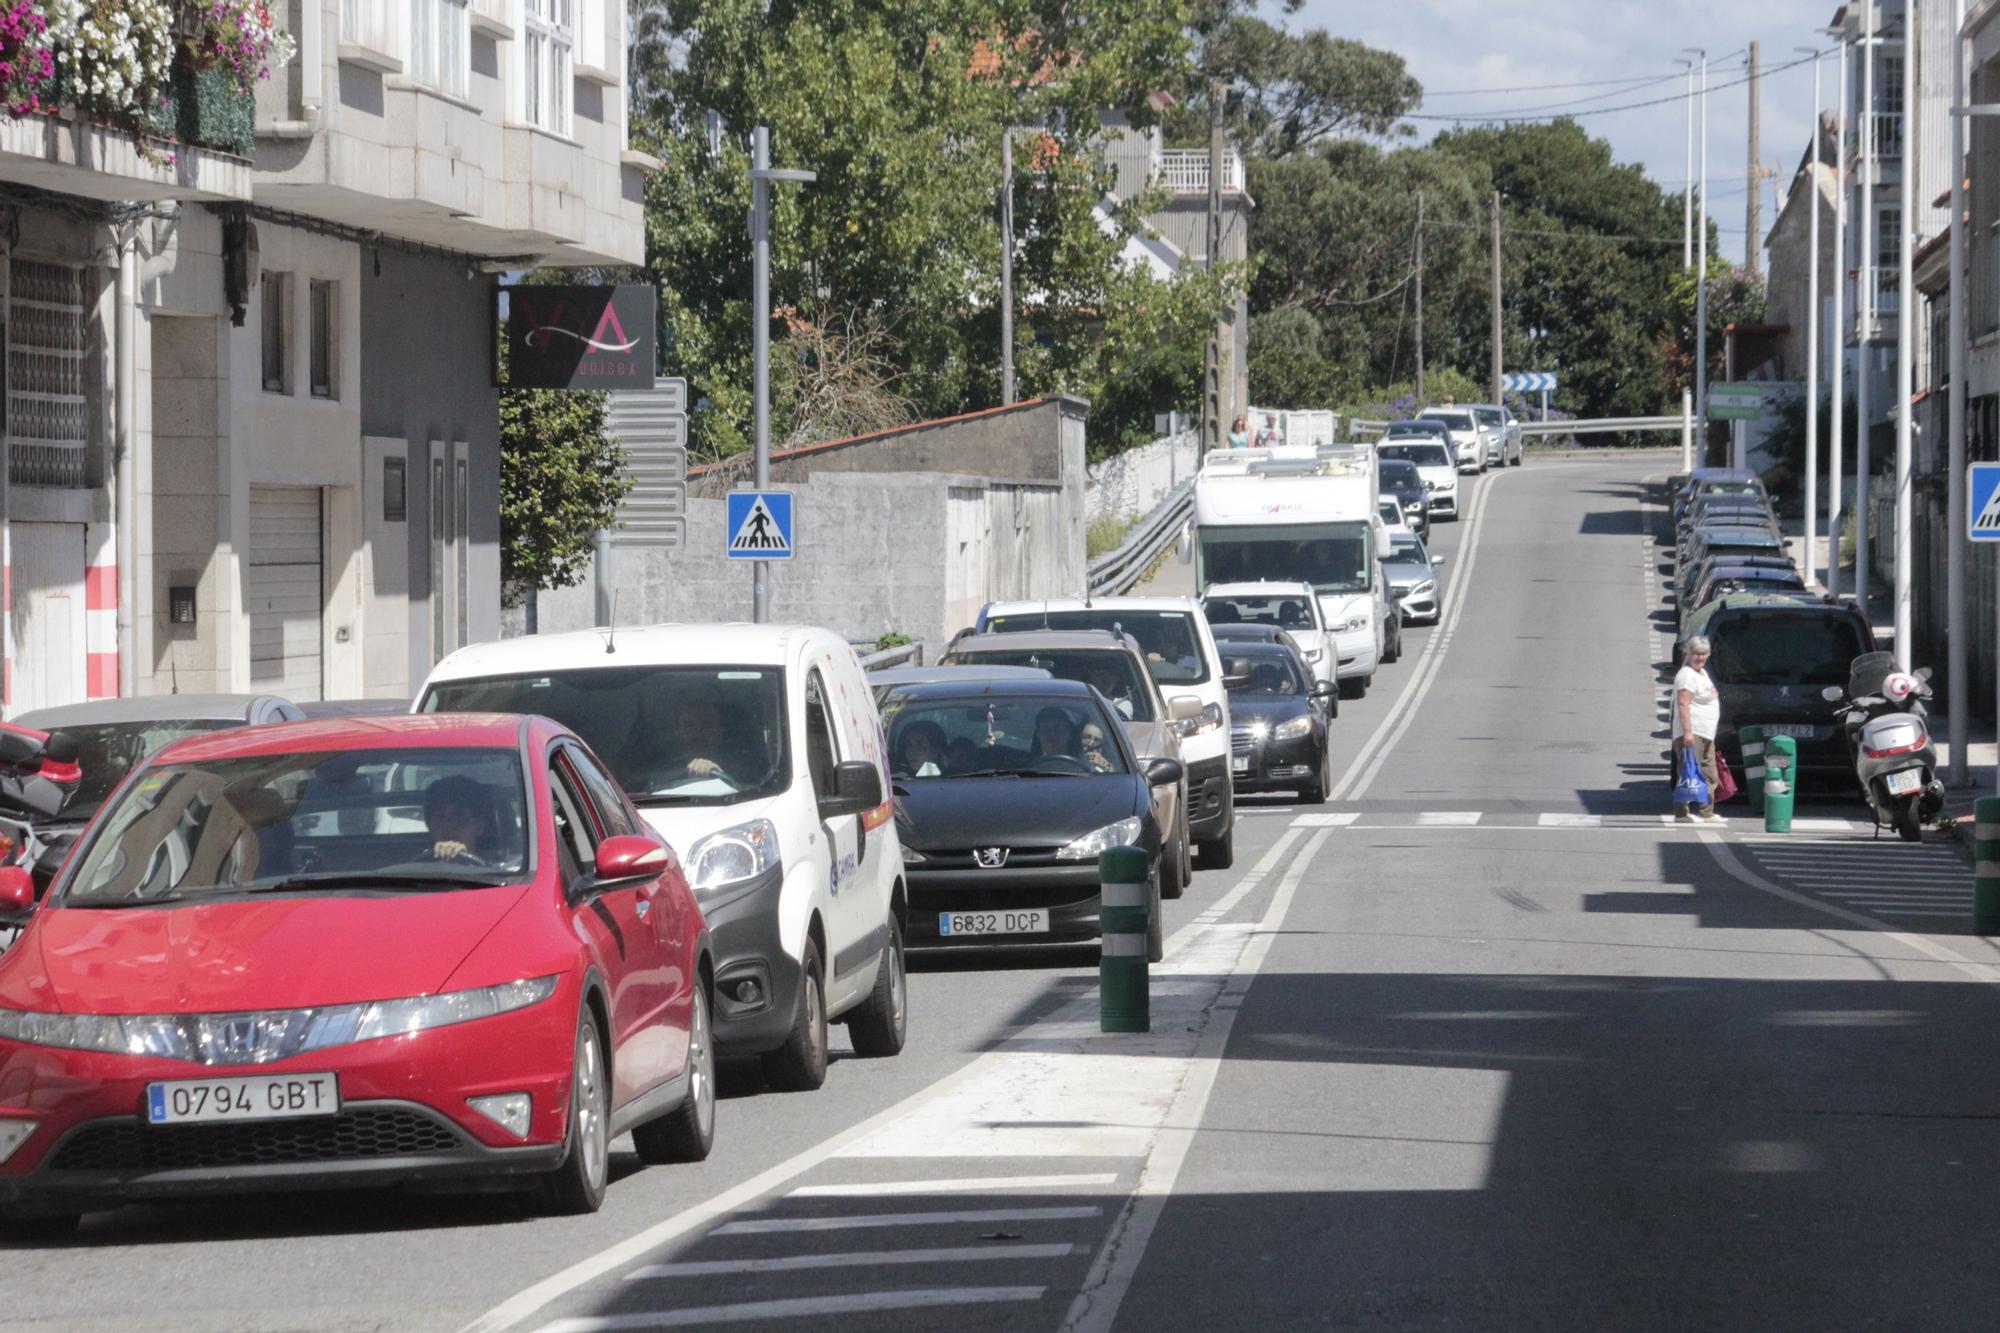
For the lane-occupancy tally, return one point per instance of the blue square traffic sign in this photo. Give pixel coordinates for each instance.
(1982, 497)
(758, 525)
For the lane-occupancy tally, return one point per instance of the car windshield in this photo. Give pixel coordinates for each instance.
(1000, 735)
(387, 820)
(1167, 638)
(1111, 671)
(1285, 610)
(1332, 557)
(1272, 675)
(680, 735)
(1422, 455)
(1783, 648)
(1488, 416)
(1400, 474)
(1407, 549)
(108, 752)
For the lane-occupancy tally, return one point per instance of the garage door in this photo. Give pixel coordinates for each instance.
(283, 590)
(48, 647)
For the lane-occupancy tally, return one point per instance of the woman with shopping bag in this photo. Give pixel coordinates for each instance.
(1697, 712)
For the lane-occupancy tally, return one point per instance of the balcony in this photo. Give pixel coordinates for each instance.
(371, 34)
(1885, 291)
(1878, 134)
(1185, 171)
(200, 141)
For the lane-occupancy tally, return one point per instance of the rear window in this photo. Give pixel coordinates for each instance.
(1455, 420)
(1111, 671)
(1784, 647)
(1399, 472)
(1168, 638)
(1418, 455)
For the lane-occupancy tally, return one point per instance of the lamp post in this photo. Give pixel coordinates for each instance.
(1812, 325)
(1836, 455)
(1687, 262)
(1701, 266)
(1958, 698)
(761, 175)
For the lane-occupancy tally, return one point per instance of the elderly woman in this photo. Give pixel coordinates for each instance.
(1697, 711)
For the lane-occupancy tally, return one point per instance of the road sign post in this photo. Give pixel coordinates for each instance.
(1982, 503)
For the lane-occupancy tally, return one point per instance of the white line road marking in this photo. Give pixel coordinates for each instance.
(794, 1263)
(1341, 820)
(1447, 819)
(767, 1226)
(1570, 821)
(1095, 1308)
(888, 1188)
(800, 1307)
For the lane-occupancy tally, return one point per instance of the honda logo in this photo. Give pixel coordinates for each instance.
(989, 858)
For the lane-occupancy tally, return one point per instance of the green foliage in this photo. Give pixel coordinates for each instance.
(1735, 296)
(900, 110)
(893, 639)
(1104, 534)
(561, 479)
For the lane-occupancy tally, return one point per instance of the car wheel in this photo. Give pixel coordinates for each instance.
(1354, 689)
(1156, 926)
(577, 1186)
(879, 1026)
(1219, 853)
(38, 1228)
(686, 1133)
(800, 1064)
(1173, 867)
(1315, 793)
(1392, 647)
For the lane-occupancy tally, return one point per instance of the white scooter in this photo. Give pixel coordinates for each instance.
(1889, 743)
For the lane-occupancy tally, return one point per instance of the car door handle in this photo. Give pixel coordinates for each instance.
(643, 906)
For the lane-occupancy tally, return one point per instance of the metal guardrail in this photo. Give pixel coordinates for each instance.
(1592, 426)
(1116, 572)
(910, 654)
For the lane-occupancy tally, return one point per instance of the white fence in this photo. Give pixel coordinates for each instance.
(1130, 484)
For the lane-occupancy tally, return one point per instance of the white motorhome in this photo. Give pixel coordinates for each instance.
(1298, 513)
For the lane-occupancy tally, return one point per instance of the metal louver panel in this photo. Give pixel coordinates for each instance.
(651, 425)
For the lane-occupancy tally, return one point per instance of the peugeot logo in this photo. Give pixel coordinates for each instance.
(989, 858)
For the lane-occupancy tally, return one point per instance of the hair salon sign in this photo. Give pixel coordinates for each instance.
(576, 337)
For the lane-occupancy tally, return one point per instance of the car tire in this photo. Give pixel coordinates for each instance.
(38, 1228)
(1315, 793)
(686, 1133)
(1354, 689)
(1392, 647)
(1219, 853)
(1156, 923)
(879, 1027)
(577, 1186)
(1173, 866)
(800, 1064)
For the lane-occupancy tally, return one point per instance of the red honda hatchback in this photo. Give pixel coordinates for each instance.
(352, 952)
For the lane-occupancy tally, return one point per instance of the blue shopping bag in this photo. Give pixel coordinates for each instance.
(1692, 788)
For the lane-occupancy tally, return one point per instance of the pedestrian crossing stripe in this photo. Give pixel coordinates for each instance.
(760, 525)
(1982, 495)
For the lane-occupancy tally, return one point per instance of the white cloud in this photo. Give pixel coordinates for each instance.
(1460, 44)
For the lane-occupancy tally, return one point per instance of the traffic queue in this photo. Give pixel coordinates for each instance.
(468, 945)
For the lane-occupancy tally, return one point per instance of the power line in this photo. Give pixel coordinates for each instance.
(1545, 87)
(1595, 97)
(1379, 296)
(1502, 118)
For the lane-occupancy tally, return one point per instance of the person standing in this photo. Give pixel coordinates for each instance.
(1697, 712)
(1239, 434)
(1267, 434)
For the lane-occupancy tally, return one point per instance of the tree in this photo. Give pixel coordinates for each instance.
(1735, 296)
(561, 478)
(1292, 90)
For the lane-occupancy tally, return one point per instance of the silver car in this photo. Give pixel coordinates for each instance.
(1468, 438)
(1503, 434)
(1412, 573)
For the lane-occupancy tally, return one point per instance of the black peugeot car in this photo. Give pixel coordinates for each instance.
(1006, 791)
(1279, 738)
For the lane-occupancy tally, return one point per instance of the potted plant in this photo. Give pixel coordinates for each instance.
(27, 65)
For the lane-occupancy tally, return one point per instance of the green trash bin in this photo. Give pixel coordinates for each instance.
(1986, 866)
(1752, 738)
(1124, 984)
(1781, 770)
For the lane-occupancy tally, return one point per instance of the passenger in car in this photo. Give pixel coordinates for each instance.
(1055, 734)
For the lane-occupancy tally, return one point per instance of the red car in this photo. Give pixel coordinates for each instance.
(359, 951)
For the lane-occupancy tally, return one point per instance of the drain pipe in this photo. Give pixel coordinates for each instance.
(125, 487)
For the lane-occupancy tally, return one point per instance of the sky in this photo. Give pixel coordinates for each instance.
(1453, 45)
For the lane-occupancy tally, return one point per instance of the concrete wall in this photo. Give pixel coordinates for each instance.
(1128, 485)
(426, 361)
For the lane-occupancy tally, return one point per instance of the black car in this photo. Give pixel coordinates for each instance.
(1005, 794)
(1772, 657)
(1278, 734)
(1400, 479)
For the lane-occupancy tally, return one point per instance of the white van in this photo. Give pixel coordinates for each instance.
(1181, 654)
(756, 751)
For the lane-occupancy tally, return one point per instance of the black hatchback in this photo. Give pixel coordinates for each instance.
(1006, 792)
(1772, 658)
(1279, 738)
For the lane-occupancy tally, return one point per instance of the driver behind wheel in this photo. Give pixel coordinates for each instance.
(1055, 734)
(460, 819)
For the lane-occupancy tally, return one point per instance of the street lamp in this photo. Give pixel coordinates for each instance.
(761, 175)
(1687, 262)
(1812, 325)
(1701, 265)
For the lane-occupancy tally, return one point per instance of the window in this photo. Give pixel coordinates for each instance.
(604, 794)
(277, 306)
(439, 36)
(1889, 238)
(821, 756)
(550, 38)
(576, 845)
(1889, 83)
(323, 331)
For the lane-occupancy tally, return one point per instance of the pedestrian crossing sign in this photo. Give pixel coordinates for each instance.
(759, 524)
(1982, 494)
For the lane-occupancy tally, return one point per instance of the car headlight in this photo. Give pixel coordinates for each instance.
(1430, 485)
(1310, 654)
(1292, 728)
(1425, 588)
(733, 855)
(1122, 834)
(1210, 720)
(913, 857)
(272, 1034)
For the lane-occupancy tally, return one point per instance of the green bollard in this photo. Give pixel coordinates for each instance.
(1986, 866)
(1781, 771)
(1124, 989)
(1752, 738)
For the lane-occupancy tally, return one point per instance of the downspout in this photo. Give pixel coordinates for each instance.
(124, 503)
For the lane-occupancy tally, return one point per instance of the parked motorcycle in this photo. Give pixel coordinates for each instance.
(1889, 743)
(38, 772)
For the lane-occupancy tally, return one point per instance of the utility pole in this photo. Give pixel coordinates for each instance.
(1812, 326)
(1007, 265)
(1687, 262)
(1864, 305)
(1701, 280)
(1211, 407)
(1420, 299)
(1906, 345)
(1836, 456)
(1494, 208)
(1958, 697)
(761, 176)
(1753, 208)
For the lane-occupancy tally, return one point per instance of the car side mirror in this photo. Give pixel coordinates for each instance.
(17, 890)
(1184, 708)
(1384, 548)
(20, 748)
(1324, 689)
(36, 793)
(857, 787)
(629, 858)
(1437, 560)
(1163, 772)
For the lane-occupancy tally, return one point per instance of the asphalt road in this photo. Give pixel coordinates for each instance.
(1480, 1043)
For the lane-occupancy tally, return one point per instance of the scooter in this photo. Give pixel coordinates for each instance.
(38, 773)
(1890, 744)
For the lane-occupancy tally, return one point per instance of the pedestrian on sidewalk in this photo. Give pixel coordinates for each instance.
(1697, 712)
(1239, 434)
